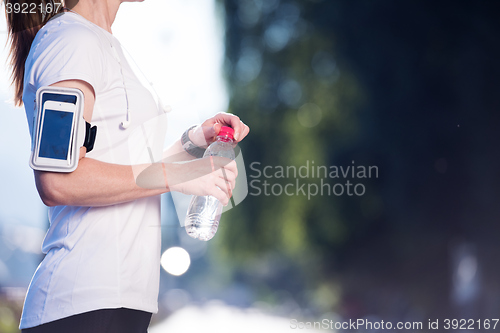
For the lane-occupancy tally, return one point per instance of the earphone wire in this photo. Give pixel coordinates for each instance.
(125, 125)
(163, 108)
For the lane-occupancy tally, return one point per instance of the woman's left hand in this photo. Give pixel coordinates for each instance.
(204, 134)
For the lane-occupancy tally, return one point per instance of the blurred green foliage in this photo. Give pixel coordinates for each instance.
(407, 86)
(10, 312)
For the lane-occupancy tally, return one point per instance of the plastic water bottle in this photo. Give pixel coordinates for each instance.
(202, 219)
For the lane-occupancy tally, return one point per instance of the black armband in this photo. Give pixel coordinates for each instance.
(90, 134)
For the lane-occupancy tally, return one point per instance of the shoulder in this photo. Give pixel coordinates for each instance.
(66, 32)
(67, 48)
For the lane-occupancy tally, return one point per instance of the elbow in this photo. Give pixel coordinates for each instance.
(48, 189)
(48, 200)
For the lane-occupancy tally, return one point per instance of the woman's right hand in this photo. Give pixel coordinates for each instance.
(215, 176)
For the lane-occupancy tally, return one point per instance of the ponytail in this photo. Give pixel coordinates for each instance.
(24, 19)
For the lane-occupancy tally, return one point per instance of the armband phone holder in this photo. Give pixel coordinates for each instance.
(59, 130)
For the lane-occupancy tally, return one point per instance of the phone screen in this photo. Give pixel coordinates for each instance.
(56, 134)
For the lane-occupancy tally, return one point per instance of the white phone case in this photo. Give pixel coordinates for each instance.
(77, 135)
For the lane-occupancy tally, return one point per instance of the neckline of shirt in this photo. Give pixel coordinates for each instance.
(85, 21)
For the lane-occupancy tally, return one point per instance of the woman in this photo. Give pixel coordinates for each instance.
(101, 271)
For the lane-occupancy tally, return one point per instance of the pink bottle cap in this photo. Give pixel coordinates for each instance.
(226, 131)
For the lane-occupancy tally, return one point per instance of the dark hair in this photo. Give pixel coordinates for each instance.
(23, 23)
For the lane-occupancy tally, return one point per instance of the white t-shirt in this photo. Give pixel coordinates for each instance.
(96, 257)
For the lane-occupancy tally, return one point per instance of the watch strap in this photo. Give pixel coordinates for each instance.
(189, 146)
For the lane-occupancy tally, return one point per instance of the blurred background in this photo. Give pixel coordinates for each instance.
(407, 86)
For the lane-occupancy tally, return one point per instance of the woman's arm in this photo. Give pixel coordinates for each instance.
(96, 183)
(93, 183)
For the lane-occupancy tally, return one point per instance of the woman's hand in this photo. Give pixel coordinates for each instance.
(204, 134)
(83, 152)
(215, 176)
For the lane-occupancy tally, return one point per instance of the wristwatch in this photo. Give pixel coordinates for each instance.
(189, 146)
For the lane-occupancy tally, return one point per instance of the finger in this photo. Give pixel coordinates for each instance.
(216, 129)
(244, 132)
(224, 186)
(83, 152)
(230, 120)
(240, 131)
(231, 168)
(229, 177)
(232, 183)
(220, 195)
(226, 118)
(247, 130)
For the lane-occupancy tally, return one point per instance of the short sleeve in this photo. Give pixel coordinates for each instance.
(67, 51)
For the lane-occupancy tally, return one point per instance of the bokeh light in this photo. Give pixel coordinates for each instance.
(309, 115)
(175, 261)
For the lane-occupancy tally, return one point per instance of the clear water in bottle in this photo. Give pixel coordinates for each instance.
(203, 216)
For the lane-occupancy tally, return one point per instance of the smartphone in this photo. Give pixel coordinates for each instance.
(55, 134)
(58, 129)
